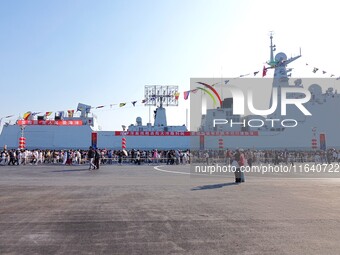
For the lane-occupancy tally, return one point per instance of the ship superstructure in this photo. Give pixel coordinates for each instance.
(293, 130)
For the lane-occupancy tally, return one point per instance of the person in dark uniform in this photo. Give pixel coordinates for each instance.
(120, 157)
(97, 158)
(12, 159)
(236, 166)
(69, 158)
(90, 156)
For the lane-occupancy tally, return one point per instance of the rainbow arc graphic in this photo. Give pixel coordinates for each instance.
(211, 91)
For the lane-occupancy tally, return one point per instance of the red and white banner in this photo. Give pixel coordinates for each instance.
(226, 133)
(186, 133)
(150, 133)
(50, 122)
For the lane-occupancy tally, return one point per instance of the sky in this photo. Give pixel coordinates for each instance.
(56, 54)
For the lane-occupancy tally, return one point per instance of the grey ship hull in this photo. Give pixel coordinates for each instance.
(79, 137)
(325, 120)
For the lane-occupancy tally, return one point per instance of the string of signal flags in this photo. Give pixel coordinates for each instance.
(134, 103)
(208, 89)
(70, 113)
(314, 69)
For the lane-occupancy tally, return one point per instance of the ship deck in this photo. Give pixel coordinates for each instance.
(164, 210)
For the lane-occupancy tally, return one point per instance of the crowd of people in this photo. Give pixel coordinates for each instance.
(269, 156)
(93, 157)
(96, 157)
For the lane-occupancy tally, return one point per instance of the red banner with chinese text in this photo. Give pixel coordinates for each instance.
(50, 122)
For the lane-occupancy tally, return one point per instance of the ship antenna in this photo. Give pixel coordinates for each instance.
(161, 102)
(272, 49)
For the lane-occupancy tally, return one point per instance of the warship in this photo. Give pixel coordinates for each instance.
(296, 131)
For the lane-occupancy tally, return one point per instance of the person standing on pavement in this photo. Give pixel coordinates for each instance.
(97, 156)
(138, 157)
(237, 163)
(12, 157)
(241, 163)
(90, 157)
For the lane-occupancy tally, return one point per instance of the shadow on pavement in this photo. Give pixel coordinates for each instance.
(70, 170)
(214, 186)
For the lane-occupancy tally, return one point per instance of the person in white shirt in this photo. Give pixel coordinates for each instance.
(3, 157)
(35, 157)
(39, 157)
(64, 157)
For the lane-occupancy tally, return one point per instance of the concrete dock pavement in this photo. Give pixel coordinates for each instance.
(145, 209)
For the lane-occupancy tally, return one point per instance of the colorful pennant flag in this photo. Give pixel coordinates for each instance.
(122, 104)
(70, 113)
(244, 75)
(48, 114)
(134, 103)
(186, 95)
(59, 114)
(100, 106)
(255, 73)
(176, 95)
(143, 101)
(35, 113)
(26, 115)
(264, 71)
(315, 70)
